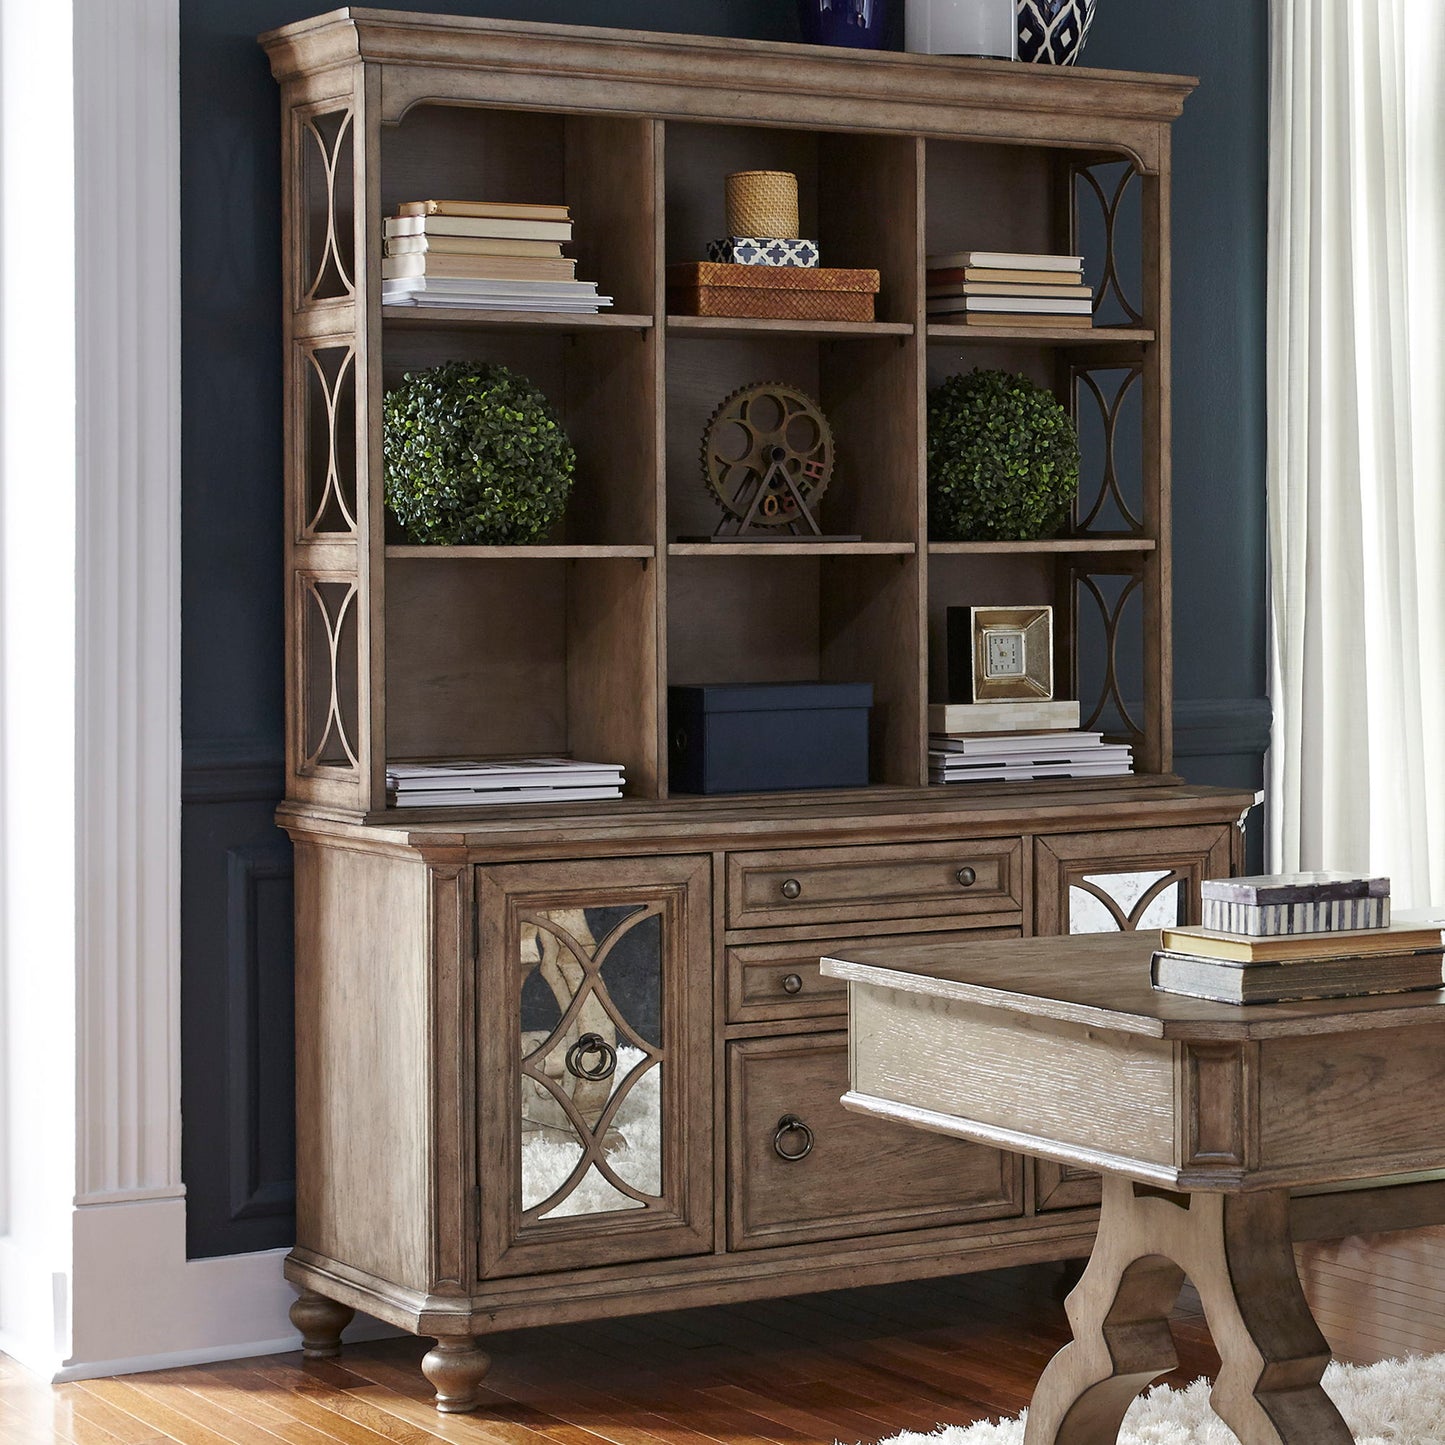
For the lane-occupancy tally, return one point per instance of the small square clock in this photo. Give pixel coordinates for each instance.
(1013, 654)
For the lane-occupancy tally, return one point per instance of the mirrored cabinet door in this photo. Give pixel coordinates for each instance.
(595, 1081)
(1124, 881)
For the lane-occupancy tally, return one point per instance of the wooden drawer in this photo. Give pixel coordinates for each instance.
(859, 1175)
(825, 885)
(771, 981)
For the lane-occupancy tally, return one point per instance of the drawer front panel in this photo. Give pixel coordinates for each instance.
(848, 1174)
(822, 885)
(767, 982)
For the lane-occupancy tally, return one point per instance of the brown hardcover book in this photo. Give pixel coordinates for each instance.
(1283, 948)
(953, 275)
(484, 268)
(499, 210)
(690, 274)
(469, 246)
(1223, 982)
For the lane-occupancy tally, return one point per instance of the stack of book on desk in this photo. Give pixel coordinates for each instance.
(1007, 288)
(512, 780)
(1267, 956)
(486, 255)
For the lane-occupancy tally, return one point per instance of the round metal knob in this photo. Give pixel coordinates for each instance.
(792, 1139)
(792, 888)
(967, 877)
(792, 983)
(591, 1057)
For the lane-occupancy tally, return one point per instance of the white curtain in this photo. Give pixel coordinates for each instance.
(1357, 440)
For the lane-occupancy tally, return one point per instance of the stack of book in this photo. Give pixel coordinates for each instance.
(1007, 288)
(1025, 757)
(512, 780)
(1267, 955)
(486, 255)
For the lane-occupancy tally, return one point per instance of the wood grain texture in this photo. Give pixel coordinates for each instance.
(1236, 1251)
(1062, 1082)
(362, 1045)
(825, 885)
(771, 982)
(858, 1176)
(1359, 1101)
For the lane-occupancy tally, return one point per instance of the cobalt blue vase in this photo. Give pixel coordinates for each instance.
(863, 24)
(1052, 32)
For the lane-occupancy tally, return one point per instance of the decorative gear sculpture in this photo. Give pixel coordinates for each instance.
(767, 455)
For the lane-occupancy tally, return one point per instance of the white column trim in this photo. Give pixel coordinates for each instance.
(127, 182)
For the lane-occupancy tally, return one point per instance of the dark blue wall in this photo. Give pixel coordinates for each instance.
(235, 865)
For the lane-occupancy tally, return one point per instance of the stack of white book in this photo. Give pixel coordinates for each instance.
(486, 255)
(1009, 288)
(1025, 757)
(511, 780)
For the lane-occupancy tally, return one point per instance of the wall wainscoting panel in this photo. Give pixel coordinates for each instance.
(238, 1145)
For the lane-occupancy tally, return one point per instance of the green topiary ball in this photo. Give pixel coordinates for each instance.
(474, 457)
(1003, 460)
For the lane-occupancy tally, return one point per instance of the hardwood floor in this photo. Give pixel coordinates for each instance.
(849, 1366)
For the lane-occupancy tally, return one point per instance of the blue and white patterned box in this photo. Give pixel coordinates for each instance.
(763, 251)
(1281, 904)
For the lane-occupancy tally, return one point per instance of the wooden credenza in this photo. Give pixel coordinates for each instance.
(563, 1063)
(443, 1188)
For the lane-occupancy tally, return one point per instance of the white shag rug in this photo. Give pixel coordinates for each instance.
(1397, 1402)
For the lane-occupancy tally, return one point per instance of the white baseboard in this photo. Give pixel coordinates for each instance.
(362, 1328)
(140, 1304)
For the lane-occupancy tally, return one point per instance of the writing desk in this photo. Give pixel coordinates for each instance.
(1202, 1117)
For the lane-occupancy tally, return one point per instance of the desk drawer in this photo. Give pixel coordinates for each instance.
(771, 981)
(856, 1175)
(827, 885)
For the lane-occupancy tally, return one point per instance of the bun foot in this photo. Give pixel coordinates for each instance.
(320, 1322)
(455, 1368)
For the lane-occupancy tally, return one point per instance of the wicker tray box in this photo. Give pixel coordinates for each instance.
(782, 293)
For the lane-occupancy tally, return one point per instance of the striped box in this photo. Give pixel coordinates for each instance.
(1282, 904)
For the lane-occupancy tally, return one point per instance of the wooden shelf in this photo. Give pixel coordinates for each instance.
(800, 548)
(1089, 545)
(743, 326)
(1042, 335)
(460, 319)
(529, 554)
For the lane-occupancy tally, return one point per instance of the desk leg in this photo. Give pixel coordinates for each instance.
(1236, 1248)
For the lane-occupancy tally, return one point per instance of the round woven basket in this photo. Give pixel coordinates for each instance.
(763, 203)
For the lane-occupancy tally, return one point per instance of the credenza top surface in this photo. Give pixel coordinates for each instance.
(870, 815)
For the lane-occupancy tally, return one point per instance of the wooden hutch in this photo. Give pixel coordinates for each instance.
(461, 1168)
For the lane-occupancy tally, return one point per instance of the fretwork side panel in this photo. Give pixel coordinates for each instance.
(327, 506)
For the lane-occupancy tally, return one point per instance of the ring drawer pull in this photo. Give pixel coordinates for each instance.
(967, 877)
(792, 888)
(792, 983)
(591, 1046)
(791, 1124)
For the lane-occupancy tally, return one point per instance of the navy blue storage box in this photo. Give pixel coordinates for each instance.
(768, 737)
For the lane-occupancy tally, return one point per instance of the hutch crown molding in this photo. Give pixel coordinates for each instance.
(565, 1062)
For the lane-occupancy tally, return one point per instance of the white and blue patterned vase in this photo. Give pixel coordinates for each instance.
(1052, 32)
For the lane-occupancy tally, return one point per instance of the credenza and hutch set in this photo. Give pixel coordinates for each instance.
(556, 1063)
